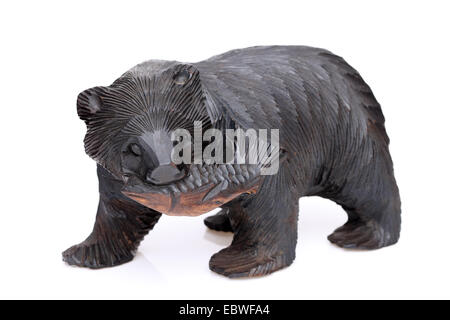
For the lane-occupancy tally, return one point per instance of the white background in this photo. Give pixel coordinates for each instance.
(51, 51)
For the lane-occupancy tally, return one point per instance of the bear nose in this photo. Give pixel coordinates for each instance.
(165, 174)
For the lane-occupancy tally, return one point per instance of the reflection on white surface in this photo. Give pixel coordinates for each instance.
(222, 239)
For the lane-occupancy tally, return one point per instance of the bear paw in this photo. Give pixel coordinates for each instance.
(235, 262)
(361, 235)
(219, 221)
(94, 256)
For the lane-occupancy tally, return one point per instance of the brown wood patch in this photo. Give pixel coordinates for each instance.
(189, 203)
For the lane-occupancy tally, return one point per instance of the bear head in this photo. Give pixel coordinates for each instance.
(129, 127)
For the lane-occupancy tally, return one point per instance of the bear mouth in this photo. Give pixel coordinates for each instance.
(204, 188)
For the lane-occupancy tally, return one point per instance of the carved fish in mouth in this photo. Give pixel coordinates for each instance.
(204, 188)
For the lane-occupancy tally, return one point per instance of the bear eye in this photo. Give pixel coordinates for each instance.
(135, 149)
(182, 77)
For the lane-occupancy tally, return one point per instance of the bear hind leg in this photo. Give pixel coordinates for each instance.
(365, 234)
(372, 204)
(221, 221)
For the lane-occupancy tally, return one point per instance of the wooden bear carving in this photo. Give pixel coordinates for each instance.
(331, 143)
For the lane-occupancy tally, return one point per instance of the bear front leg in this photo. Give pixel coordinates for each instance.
(265, 233)
(120, 226)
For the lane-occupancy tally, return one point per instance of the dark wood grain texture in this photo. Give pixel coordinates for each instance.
(331, 131)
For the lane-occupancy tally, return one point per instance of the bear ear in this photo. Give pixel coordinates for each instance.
(183, 73)
(89, 102)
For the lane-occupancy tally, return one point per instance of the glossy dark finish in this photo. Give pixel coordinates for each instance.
(331, 132)
(120, 226)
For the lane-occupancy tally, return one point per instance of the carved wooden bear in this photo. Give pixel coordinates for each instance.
(331, 136)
